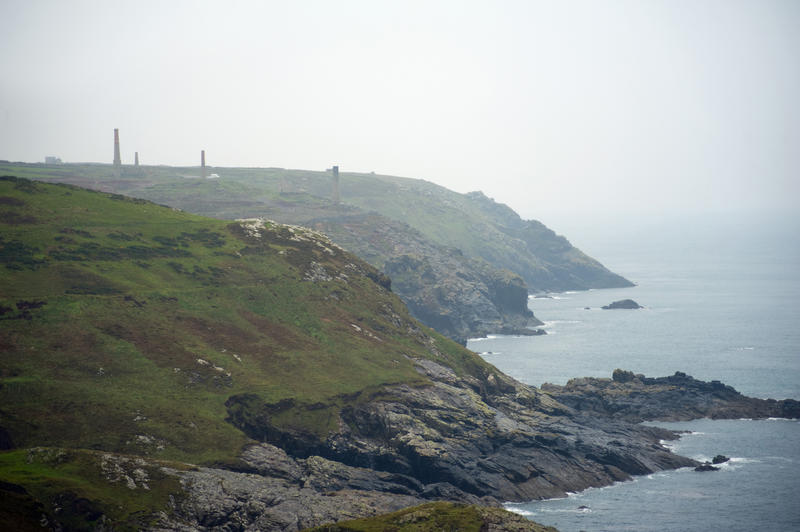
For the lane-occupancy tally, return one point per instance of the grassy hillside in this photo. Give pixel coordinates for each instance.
(438, 516)
(473, 223)
(129, 327)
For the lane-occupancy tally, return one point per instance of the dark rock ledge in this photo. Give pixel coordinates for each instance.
(479, 441)
(680, 397)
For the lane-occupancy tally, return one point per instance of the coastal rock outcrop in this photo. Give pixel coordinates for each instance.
(626, 304)
(679, 397)
(488, 438)
(466, 439)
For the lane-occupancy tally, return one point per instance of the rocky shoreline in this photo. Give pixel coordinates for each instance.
(679, 397)
(461, 439)
(471, 441)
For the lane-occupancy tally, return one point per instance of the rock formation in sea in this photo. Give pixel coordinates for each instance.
(626, 304)
(679, 397)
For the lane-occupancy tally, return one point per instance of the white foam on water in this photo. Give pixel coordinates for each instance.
(516, 510)
(743, 460)
(483, 339)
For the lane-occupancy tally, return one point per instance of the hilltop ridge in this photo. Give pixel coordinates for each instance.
(463, 263)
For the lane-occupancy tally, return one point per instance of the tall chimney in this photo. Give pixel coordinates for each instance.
(136, 158)
(335, 182)
(117, 159)
(203, 163)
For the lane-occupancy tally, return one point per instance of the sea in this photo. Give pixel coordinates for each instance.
(722, 302)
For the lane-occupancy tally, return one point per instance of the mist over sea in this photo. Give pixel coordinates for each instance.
(722, 302)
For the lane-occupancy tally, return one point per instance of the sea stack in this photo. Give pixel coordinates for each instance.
(627, 304)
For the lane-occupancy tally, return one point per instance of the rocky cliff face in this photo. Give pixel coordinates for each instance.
(468, 439)
(547, 261)
(481, 437)
(459, 296)
(476, 440)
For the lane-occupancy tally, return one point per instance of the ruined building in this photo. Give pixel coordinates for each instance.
(335, 183)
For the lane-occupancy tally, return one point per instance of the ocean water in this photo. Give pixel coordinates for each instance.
(722, 302)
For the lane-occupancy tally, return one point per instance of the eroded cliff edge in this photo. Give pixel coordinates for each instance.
(463, 263)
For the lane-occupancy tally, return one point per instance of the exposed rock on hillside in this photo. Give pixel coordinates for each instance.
(460, 297)
(484, 436)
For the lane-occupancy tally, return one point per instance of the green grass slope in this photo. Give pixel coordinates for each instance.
(439, 516)
(473, 223)
(135, 328)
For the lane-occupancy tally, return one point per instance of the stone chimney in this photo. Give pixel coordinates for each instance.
(136, 158)
(203, 164)
(117, 159)
(335, 182)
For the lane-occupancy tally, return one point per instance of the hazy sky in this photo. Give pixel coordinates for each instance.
(551, 107)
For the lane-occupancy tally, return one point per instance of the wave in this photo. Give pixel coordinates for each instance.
(519, 511)
(484, 338)
(659, 475)
(668, 444)
(559, 322)
(742, 460)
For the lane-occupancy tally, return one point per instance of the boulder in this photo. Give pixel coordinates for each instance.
(706, 467)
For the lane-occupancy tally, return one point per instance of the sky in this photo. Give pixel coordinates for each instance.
(554, 108)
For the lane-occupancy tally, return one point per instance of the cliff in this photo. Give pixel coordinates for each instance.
(463, 263)
(164, 370)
